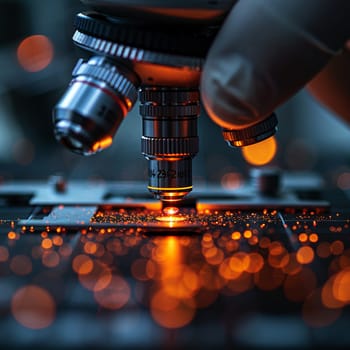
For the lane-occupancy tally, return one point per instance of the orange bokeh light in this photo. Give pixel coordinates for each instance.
(33, 307)
(231, 180)
(260, 153)
(171, 210)
(170, 312)
(11, 235)
(82, 264)
(305, 255)
(46, 243)
(341, 284)
(35, 53)
(115, 295)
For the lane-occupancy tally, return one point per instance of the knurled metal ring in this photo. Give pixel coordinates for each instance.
(109, 75)
(252, 134)
(168, 97)
(169, 111)
(134, 54)
(172, 39)
(169, 146)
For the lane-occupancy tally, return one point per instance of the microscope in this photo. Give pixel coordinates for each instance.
(154, 51)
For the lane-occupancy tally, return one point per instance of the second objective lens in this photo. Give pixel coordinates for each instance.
(97, 100)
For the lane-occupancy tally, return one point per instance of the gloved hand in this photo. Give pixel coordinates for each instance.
(265, 52)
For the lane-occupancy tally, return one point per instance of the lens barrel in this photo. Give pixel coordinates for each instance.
(169, 140)
(91, 110)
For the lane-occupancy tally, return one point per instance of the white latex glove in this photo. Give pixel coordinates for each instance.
(265, 52)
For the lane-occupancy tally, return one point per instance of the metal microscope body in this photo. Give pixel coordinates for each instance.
(151, 50)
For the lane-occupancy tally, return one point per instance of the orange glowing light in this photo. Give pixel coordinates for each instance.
(170, 312)
(253, 240)
(213, 255)
(33, 307)
(171, 210)
(313, 237)
(226, 272)
(207, 237)
(305, 255)
(90, 247)
(171, 219)
(341, 284)
(293, 266)
(303, 237)
(151, 269)
(168, 253)
(57, 240)
(128, 103)
(96, 280)
(260, 153)
(190, 281)
(102, 144)
(46, 243)
(276, 248)
(247, 234)
(35, 53)
(236, 235)
(82, 264)
(256, 263)
(279, 260)
(171, 215)
(231, 180)
(329, 299)
(11, 235)
(170, 189)
(239, 261)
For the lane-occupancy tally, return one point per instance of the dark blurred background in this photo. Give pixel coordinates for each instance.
(35, 71)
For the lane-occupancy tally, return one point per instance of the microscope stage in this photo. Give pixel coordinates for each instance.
(234, 259)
